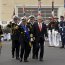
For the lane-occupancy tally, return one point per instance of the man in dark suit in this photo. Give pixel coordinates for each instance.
(62, 31)
(40, 30)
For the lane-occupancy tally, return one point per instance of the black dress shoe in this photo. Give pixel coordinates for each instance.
(61, 47)
(36, 57)
(12, 56)
(41, 59)
(51, 46)
(26, 61)
(17, 58)
(33, 57)
(20, 60)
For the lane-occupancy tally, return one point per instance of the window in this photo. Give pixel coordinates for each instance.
(46, 12)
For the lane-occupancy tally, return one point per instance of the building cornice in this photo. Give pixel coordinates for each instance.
(35, 6)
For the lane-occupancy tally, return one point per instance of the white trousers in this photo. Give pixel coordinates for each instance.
(57, 39)
(7, 36)
(53, 38)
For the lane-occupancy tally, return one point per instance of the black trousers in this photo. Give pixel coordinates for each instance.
(15, 48)
(40, 46)
(34, 48)
(25, 49)
(63, 40)
(0, 39)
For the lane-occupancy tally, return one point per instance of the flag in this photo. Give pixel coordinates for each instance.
(39, 7)
(14, 12)
(24, 11)
(52, 8)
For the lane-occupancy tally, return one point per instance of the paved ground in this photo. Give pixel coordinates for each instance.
(53, 56)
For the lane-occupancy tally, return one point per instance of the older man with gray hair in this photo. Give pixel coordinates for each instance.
(40, 30)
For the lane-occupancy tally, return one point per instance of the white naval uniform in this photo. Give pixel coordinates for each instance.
(56, 38)
(50, 37)
(53, 38)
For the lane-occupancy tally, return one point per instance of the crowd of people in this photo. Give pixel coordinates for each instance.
(27, 33)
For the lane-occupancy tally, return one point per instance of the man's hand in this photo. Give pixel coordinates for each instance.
(16, 27)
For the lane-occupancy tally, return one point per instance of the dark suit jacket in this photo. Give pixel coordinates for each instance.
(62, 27)
(37, 33)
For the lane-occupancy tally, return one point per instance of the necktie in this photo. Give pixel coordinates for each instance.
(40, 26)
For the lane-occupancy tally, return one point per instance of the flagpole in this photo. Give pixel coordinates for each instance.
(24, 10)
(52, 8)
(13, 3)
(13, 10)
(39, 7)
(31, 12)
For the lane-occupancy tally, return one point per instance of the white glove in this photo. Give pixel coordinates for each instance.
(32, 39)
